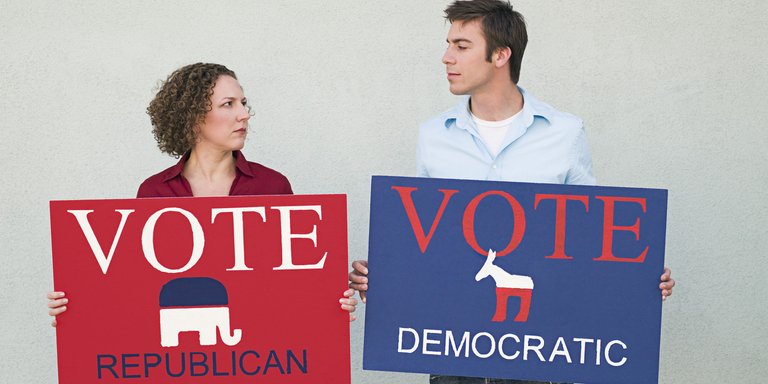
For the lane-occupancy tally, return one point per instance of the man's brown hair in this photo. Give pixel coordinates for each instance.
(502, 27)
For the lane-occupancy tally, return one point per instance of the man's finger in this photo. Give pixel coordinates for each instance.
(359, 287)
(360, 266)
(668, 285)
(357, 278)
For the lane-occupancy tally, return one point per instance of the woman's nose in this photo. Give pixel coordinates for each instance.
(245, 114)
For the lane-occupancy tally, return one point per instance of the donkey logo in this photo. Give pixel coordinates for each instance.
(507, 285)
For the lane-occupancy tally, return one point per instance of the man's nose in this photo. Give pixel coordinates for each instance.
(448, 57)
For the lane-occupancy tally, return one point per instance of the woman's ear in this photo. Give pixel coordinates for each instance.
(196, 132)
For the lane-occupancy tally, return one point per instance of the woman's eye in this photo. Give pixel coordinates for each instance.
(227, 104)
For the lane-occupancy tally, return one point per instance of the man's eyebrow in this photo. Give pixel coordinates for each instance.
(459, 40)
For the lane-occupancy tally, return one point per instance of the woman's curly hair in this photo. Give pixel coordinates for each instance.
(181, 104)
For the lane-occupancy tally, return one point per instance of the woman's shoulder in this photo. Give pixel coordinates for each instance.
(262, 170)
(264, 180)
(158, 185)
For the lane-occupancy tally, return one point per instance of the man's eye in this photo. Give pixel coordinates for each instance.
(461, 47)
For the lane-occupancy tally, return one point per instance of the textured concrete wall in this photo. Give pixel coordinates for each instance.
(672, 93)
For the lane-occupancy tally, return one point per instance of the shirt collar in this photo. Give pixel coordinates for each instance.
(241, 164)
(532, 107)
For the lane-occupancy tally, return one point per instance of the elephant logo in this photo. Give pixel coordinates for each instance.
(195, 304)
(507, 285)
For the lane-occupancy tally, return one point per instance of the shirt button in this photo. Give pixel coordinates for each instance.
(494, 166)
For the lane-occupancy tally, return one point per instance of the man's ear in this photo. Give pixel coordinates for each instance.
(501, 56)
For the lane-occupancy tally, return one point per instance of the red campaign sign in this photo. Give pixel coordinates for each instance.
(202, 290)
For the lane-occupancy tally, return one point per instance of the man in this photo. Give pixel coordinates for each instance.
(499, 132)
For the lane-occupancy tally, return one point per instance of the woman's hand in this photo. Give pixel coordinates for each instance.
(57, 304)
(348, 303)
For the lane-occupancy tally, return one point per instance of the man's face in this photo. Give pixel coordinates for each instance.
(468, 70)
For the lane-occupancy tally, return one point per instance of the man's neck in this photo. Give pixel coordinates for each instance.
(498, 104)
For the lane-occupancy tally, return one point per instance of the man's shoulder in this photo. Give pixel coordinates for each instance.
(441, 120)
(435, 124)
(556, 117)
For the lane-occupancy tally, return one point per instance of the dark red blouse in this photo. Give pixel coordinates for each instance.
(250, 179)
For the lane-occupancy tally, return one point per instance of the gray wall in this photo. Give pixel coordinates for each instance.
(671, 92)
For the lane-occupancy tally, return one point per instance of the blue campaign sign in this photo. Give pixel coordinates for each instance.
(515, 280)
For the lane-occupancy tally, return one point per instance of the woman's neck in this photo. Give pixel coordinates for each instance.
(209, 173)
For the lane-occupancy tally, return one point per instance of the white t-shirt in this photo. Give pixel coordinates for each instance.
(494, 132)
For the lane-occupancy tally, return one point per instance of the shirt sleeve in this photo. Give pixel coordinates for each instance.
(145, 191)
(580, 172)
(287, 190)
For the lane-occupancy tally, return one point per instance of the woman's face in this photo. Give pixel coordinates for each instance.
(226, 125)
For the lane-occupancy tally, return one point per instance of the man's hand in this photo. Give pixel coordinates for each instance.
(57, 304)
(667, 283)
(358, 278)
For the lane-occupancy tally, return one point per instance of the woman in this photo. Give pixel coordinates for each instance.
(201, 115)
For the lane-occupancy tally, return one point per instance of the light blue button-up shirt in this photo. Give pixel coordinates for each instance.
(544, 146)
